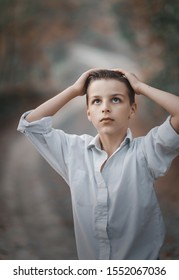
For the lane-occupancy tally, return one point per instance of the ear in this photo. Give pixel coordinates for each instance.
(88, 114)
(133, 110)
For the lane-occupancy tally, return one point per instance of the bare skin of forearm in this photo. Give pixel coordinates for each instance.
(168, 101)
(53, 105)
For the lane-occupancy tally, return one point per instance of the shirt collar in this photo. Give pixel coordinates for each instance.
(95, 142)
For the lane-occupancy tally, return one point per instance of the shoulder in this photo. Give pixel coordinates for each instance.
(163, 135)
(159, 147)
(79, 140)
(159, 138)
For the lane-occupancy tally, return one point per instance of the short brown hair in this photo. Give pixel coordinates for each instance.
(109, 74)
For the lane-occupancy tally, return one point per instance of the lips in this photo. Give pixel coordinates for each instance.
(106, 120)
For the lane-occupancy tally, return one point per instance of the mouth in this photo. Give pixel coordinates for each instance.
(106, 120)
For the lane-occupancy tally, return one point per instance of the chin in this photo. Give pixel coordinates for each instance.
(107, 131)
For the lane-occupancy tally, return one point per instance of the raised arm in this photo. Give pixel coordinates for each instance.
(51, 106)
(168, 101)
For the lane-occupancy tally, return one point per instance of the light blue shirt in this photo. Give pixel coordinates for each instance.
(116, 212)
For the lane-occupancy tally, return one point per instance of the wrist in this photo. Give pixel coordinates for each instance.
(138, 88)
(75, 90)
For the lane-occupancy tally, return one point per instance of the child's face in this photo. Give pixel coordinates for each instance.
(109, 106)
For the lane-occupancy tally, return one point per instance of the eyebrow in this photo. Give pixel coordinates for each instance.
(118, 94)
(112, 95)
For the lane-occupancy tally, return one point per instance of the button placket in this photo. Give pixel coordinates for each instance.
(101, 211)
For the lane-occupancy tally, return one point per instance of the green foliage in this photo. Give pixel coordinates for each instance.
(159, 19)
(165, 26)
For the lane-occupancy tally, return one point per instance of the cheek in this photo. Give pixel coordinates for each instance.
(92, 115)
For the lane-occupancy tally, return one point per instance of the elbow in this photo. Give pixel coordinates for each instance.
(175, 123)
(29, 118)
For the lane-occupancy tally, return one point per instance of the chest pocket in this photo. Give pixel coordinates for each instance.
(81, 189)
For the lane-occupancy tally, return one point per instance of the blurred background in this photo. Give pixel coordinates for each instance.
(44, 47)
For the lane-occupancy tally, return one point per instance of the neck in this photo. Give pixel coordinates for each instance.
(110, 143)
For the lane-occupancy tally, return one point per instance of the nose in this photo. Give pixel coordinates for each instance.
(106, 107)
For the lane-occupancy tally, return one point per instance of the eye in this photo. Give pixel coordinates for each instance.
(96, 101)
(116, 100)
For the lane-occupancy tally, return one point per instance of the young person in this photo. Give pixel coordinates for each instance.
(111, 176)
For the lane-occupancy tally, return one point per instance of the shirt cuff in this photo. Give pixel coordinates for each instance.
(43, 125)
(169, 135)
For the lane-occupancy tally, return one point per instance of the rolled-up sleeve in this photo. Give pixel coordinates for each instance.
(161, 146)
(51, 143)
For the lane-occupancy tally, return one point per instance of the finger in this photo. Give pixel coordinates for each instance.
(119, 70)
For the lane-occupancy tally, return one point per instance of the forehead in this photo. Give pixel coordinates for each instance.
(106, 86)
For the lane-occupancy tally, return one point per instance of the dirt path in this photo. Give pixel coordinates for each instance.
(38, 207)
(35, 210)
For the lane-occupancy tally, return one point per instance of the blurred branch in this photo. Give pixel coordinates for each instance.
(152, 28)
